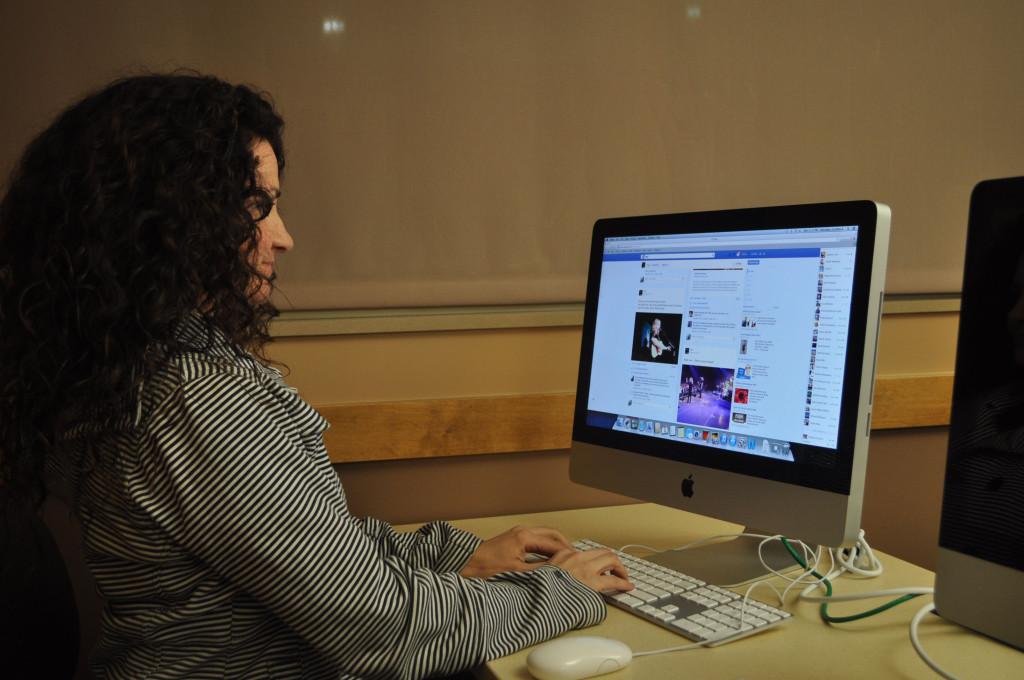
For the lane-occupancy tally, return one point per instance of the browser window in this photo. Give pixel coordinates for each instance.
(734, 340)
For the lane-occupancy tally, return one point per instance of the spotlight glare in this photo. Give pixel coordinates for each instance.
(333, 26)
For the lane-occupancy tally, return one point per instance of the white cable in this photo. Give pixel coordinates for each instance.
(807, 553)
(681, 648)
(868, 596)
(836, 573)
(815, 581)
(746, 598)
(930, 607)
(869, 567)
(764, 563)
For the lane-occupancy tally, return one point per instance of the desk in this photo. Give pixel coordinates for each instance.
(878, 647)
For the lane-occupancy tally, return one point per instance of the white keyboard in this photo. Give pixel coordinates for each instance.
(688, 606)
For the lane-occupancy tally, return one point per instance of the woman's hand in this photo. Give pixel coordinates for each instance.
(598, 569)
(508, 551)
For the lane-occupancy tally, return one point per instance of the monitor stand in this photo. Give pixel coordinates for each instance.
(729, 562)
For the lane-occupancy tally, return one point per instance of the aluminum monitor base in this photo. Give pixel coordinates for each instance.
(729, 562)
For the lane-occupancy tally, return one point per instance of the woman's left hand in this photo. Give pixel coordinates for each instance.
(508, 551)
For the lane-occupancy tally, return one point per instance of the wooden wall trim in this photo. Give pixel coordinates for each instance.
(448, 427)
(912, 401)
(538, 422)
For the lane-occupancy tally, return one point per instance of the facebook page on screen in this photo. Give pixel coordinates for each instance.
(734, 340)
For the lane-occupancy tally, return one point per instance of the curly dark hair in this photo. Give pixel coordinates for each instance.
(137, 207)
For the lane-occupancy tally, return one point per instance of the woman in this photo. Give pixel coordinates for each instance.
(138, 239)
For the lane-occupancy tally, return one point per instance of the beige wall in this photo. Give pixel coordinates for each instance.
(904, 471)
(476, 141)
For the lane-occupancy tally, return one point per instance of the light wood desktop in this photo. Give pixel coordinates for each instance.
(804, 647)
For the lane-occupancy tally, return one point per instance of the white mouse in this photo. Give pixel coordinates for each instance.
(574, 658)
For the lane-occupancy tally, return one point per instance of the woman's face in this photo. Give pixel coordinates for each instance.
(274, 238)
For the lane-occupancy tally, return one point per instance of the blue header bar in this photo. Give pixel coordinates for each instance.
(713, 255)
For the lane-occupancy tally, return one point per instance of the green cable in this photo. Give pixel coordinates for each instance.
(825, 616)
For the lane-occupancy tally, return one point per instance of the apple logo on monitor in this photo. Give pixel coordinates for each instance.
(688, 487)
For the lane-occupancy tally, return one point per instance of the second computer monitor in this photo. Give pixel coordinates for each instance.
(727, 363)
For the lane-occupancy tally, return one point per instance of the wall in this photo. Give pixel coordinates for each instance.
(457, 152)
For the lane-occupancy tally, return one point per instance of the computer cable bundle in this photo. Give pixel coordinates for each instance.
(847, 564)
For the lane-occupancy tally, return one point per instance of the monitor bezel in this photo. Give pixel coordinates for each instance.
(836, 477)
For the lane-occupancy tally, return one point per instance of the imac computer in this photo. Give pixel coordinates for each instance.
(727, 368)
(980, 568)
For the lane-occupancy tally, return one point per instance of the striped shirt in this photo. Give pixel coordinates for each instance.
(221, 541)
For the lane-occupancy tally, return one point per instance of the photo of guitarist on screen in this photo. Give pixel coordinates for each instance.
(655, 337)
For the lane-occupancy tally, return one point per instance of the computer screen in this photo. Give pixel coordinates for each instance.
(732, 352)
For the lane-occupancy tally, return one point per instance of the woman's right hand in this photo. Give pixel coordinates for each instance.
(600, 569)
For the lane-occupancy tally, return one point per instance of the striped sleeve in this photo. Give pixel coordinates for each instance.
(438, 546)
(232, 486)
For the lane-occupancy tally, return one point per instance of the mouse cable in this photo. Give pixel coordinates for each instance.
(827, 584)
(930, 607)
(680, 648)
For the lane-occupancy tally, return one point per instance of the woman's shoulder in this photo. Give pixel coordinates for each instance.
(189, 374)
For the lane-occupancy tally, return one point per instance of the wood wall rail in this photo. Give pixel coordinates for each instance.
(918, 401)
(538, 422)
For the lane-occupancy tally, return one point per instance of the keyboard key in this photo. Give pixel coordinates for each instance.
(628, 600)
(684, 624)
(644, 595)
